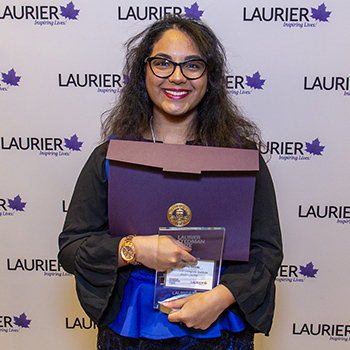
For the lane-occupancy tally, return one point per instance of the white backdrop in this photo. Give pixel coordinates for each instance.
(60, 68)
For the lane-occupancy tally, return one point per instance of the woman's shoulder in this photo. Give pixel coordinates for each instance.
(95, 164)
(99, 152)
(101, 148)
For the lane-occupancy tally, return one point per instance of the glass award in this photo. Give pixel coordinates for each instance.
(206, 244)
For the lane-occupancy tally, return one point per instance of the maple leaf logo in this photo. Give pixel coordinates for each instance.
(16, 203)
(254, 81)
(193, 12)
(320, 14)
(69, 11)
(73, 143)
(308, 270)
(22, 321)
(314, 147)
(10, 78)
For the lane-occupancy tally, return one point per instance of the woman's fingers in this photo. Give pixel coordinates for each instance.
(202, 309)
(162, 252)
(180, 244)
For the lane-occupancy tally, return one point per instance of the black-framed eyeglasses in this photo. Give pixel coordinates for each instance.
(164, 67)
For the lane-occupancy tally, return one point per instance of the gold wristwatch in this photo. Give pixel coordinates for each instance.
(127, 251)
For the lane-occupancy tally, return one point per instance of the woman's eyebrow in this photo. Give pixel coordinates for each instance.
(189, 57)
(193, 57)
(164, 55)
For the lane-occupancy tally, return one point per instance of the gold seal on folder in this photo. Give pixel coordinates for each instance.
(179, 214)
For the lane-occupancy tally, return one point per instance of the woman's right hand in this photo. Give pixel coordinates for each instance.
(162, 252)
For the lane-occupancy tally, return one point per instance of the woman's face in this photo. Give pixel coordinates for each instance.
(175, 96)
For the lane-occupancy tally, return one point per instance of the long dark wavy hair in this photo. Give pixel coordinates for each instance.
(219, 121)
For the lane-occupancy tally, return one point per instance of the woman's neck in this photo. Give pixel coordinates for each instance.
(176, 130)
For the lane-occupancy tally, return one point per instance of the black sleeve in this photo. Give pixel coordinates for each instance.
(86, 247)
(253, 283)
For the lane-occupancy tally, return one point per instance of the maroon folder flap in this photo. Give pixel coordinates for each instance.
(183, 158)
(216, 185)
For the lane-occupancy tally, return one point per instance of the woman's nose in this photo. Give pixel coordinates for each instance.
(177, 77)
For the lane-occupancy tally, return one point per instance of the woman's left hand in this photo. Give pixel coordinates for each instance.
(202, 309)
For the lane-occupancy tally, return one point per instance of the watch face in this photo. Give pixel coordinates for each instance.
(128, 253)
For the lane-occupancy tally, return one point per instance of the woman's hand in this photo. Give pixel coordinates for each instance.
(202, 309)
(162, 252)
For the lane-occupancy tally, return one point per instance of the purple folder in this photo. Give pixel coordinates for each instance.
(216, 184)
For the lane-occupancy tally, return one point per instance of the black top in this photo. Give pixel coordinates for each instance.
(89, 251)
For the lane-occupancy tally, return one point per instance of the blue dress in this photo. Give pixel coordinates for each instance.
(138, 319)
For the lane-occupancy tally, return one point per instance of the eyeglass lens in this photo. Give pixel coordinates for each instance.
(163, 68)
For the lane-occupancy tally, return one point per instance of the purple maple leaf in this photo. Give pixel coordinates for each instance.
(255, 81)
(320, 14)
(69, 11)
(314, 147)
(22, 321)
(73, 143)
(308, 270)
(10, 78)
(16, 203)
(193, 12)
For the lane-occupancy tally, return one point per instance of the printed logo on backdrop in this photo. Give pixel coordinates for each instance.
(47, 267)
(9, 324)
(295, 150)
(339, 214)
(64, 206)
(293, 274)
(289, 17)
(339, 84)
(239, 85)
(9, 79)
(45, 146)
(103, 82)
(80, 323)
(45, 15)
(142, 13)
(329, 331)
(11, 207)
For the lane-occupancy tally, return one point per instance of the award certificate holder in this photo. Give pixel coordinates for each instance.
(153, 185)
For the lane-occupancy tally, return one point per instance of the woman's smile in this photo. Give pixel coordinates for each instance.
(176, 94)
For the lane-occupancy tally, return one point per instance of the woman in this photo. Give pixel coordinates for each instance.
(176, 94)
